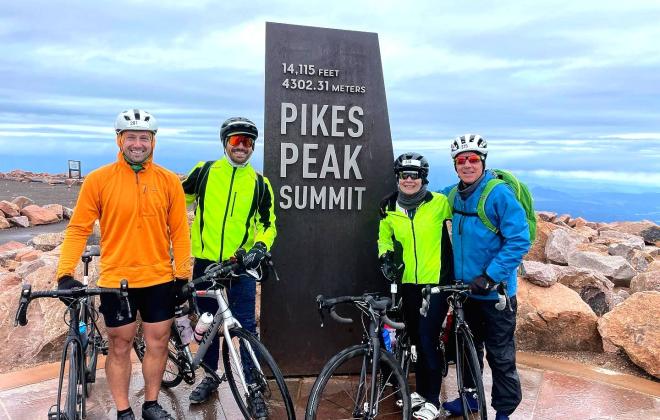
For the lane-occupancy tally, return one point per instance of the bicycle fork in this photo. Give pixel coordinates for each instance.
(370, 408)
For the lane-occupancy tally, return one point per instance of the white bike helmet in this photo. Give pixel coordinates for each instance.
(136, 119)
(469, 143)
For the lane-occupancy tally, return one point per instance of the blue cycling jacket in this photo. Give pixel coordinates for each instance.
(477, 250)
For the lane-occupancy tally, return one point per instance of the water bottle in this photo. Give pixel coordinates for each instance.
(391, 332)
(184, 328)
(82, 329)
(386, 339)
(202, 325)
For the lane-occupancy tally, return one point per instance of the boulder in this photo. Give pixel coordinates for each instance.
(58, 209)
(8, 280)
(28, 267)
(643, 282)
(554, 319)
(561, 242)
(39, 215)
(47, 241)
(27, 254)
(651, 235)
(634, 326)
(633, 228)
(563, 219)
(546, 216)
(586, 231)
(4, 223)
(67, 213)
(540, 274)
(619, 296)
(624, 249)
(614, 268)
(653, 251)
(11, 246)
(640, 260)
(9, 209)
(20, 221)
(577, 222)
(608, 237)
(537, 251)
(22, 201)
(594, 288)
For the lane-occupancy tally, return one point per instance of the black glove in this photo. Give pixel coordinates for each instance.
(253, 257)
(389, 268)
(481, 285)
(180, 291)
(65, 283)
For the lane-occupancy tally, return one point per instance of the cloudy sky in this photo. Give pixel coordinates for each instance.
(566, 92)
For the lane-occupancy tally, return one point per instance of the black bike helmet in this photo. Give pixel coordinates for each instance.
(412, 162)
(237, 125)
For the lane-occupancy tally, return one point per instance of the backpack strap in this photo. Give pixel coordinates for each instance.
(481, 205)
(451, 197)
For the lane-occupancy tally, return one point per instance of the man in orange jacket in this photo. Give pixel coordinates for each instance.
(142, 211)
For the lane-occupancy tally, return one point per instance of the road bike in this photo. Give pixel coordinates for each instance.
(79, 352)
(363, 381)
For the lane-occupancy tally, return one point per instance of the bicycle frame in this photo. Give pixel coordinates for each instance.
(374, 347)
(223, 320)
(73, 335)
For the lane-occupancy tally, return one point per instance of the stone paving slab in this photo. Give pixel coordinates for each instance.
(568, 391)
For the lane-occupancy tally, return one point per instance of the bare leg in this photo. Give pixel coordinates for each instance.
(156, 337)
(118, 363)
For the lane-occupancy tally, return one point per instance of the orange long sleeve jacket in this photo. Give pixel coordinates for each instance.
(141, 215)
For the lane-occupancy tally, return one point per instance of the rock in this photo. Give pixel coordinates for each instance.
(651, 235)
(586, 231)
(594, 288)
(28, 267)
(554, 319)
(540, 274)
(639, 260)
(8, 252)
(635, 326)
(67, 212)
(560, 243)
(8, 280)
(39, 215)
(4, 223)
(47, 241)
(643, 282)
(608, 237)
(9, 209)
(564, 218)
(20, 221)
(27, 254)
(653, 251)
(546, 216)
(619, 296)
(58, 209)
(592, 225)
(11, 246)
(22, 201)
(632, 228)
(592, 247)
(624, 249)
(577, 222)
(537, 251)
(614, 268)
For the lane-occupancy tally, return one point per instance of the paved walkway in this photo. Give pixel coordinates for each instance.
(552, 389)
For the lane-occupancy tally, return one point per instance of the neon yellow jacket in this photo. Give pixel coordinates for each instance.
(229, 214)
(422, 242)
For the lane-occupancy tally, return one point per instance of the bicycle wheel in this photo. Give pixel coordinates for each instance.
(342, 389)
(252, 375)
(174, 368)
(93, 339)
(74, 403)
(468, 375)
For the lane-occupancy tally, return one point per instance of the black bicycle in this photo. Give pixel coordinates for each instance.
(468, 367)
(253, 376)
(363, 381)
(77, 357)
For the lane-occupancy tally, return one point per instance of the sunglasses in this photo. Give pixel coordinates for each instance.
(460, 160)
(409, 174)
(240, 139)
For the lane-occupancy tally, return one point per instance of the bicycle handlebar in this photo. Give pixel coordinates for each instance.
(27, 295)
(380, 305)
(502, 295)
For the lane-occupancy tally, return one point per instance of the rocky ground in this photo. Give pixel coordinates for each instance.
(590, 292)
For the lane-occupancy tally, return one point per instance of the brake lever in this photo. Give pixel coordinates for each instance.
(319, 302)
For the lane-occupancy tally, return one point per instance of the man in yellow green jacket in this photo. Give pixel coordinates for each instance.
(414, 246)
(235, 209)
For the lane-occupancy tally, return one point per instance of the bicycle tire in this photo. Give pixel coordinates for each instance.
(259, 377)
(335, 395)
(74, 405)
(467, 363)
(93, 340)
(172, 376)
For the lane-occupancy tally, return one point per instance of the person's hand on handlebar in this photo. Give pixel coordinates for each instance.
(251, 259)
(482, 285)
(388, 266)
(67, 282)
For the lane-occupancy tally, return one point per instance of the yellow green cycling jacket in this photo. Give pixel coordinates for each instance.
(421, 242)
(235, 209)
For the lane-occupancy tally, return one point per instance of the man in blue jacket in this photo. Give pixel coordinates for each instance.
(482, 258)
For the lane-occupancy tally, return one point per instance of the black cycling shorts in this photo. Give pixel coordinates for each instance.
(155, 304)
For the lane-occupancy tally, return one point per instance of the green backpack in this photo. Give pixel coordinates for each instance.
(521, 192)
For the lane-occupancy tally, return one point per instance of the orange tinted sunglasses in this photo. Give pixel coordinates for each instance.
(460, 160)
(235, 140)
